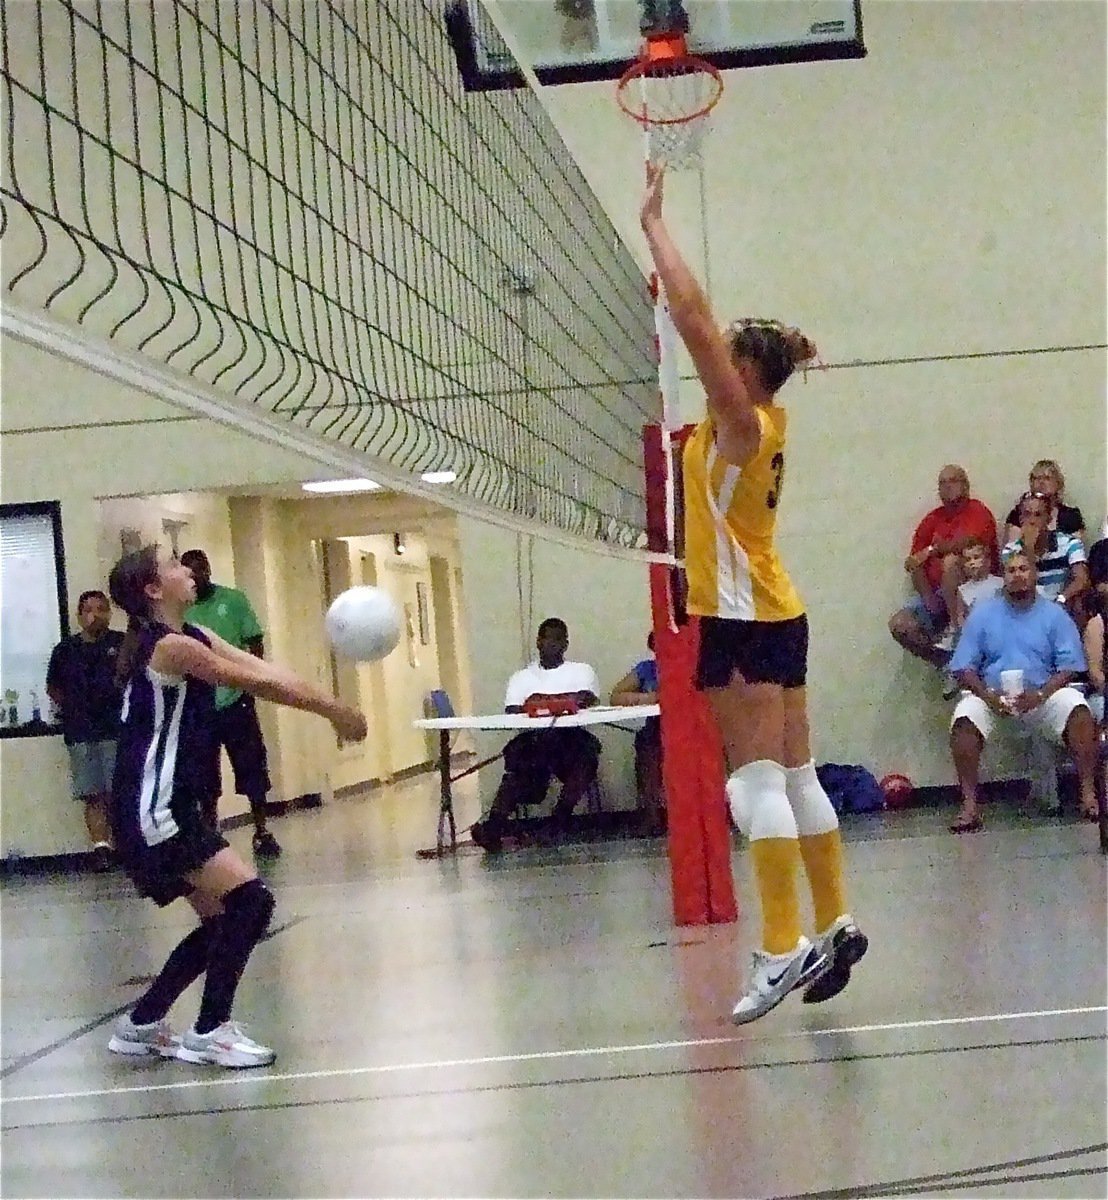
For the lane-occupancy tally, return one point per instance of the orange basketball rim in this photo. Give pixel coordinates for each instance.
(677, 87)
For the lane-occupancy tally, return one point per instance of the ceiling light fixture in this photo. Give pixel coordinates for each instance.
(342, 485)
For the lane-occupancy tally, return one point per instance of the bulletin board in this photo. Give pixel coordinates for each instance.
(34, 613)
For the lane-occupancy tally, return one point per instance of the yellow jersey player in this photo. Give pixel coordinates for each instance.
(753, 656)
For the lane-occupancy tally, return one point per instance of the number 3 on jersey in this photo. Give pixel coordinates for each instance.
(777, 464)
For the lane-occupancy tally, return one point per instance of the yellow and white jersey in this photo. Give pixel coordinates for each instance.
(730, 515)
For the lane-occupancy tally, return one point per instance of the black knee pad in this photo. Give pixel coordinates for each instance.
(249, 906)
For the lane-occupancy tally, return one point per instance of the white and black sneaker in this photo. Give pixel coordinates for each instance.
(143, 1041)
(774, 976)
(844, 944)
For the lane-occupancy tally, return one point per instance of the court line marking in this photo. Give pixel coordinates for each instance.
(546, 1055)
(956, 1179)
(208, 1106)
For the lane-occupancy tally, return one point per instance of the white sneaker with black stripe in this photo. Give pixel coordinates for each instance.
(844, 944)
(225, 1046)
(774, 976)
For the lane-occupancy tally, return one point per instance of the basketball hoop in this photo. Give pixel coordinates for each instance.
(676, 91)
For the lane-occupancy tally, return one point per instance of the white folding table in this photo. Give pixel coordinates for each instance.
(627, 716)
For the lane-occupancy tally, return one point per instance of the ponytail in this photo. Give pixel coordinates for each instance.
(127, 584)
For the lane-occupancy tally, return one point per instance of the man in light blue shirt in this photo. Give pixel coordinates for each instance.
(1016, 658)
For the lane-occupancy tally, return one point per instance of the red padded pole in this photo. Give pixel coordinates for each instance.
(692, 754)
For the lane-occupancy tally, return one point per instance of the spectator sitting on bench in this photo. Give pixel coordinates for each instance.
(535, 756)
(1019, 630)
(980, 583)
(934, 566)
(1046, 479)
(640, 686)
(1060, 566)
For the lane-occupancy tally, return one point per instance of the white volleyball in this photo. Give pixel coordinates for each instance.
(363, 624)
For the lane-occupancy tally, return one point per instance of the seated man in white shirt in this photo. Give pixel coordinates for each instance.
(536, 756)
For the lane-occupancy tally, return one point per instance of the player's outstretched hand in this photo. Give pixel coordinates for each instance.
(350, 725)
(651, 210)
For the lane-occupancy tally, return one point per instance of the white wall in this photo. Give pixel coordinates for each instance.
(946, 194)
(943, 197)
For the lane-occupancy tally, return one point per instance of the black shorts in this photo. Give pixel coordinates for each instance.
(762, 651)
(238, 730)
(158, 872)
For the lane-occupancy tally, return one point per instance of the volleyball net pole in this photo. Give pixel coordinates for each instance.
(670, 94)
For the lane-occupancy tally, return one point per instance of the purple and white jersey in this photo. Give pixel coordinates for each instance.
(167, 757)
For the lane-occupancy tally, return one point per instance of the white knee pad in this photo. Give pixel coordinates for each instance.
(813, 810)
(759, 802)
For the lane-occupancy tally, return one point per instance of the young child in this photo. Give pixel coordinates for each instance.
(979, 584)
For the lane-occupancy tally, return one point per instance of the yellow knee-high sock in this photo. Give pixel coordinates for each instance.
(776, 860)
(823, 862)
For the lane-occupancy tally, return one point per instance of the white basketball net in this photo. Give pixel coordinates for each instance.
(664, 95)
(678, 146)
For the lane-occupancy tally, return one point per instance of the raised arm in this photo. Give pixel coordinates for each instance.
(177, 654)
(737, 427)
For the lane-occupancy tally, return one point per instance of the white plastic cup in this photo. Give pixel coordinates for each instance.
(1011, 683)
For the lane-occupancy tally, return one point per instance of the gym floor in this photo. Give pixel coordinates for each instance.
(534, 1025)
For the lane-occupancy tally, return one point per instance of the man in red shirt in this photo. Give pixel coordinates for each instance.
(935, 568)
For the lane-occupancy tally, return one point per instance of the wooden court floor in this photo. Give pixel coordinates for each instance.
(535, 1026)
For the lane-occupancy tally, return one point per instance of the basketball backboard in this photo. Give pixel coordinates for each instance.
(576, 41)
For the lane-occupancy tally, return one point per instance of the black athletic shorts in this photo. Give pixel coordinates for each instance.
(763, 651)
(158, 872)
(238, 730)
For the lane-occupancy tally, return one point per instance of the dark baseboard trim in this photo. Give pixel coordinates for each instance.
(1012, 790)
(83, 862)
(943, 797)
(46, 864)
(603, 823)
(610, 823)
(460, 759)
(275, 808)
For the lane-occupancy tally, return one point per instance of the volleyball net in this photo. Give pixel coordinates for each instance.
(297, 209)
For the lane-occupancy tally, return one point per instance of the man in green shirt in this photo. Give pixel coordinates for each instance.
(227, 613)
